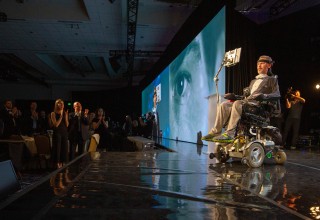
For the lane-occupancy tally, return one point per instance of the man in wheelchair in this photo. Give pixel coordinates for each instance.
(263, 87)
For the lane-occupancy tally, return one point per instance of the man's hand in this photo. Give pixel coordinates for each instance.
(258, 96)
(230, 96)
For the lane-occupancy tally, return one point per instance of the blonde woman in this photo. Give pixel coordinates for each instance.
(60, 123)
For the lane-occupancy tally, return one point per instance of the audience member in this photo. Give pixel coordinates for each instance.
(17, 118)
(127, 126)
(135, 128)
(91, 116)
(78, 129)
(31, 120)
(60, 123)
(146, 125)
(100, 126)
(7, 118)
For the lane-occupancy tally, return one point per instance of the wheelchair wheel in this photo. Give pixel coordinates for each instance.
(280, 157)
(255, 155)
(221, 154)
(253, 179)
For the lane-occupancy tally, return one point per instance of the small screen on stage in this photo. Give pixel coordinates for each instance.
(180, 94)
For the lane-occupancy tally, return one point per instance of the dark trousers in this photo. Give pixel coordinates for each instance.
(293, 123)
(75, 140)
(59, 148)
(105, 140)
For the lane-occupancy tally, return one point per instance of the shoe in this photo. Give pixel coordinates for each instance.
(224, 138)
(209, 136)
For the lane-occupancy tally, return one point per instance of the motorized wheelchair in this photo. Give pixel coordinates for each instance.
(255, 139)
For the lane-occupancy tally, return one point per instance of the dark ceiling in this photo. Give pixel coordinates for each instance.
(101, 43)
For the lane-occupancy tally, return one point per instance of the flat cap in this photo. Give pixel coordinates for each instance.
(265, 58)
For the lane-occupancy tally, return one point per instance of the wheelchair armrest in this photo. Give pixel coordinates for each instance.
(253, 103)
(233, 97)
(239, 97)
(266, 98)
(271, 98)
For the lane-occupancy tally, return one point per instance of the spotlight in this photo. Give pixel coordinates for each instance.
(317, 86)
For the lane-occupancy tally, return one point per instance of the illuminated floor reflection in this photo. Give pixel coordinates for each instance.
(185, 183)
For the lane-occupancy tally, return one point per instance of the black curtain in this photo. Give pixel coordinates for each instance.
(240, 32)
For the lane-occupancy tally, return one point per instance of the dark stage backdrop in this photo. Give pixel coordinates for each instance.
(294, 43)
(241, 32)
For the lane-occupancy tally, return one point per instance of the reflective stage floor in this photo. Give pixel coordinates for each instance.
(179, 184)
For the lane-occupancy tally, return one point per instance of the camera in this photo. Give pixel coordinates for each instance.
(290, 93)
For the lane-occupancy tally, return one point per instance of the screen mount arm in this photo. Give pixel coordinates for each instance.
(231, 58)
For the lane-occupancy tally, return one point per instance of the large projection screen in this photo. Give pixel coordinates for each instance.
(184, 87)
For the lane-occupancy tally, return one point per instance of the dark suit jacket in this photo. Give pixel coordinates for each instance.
(28, 124)
(74, 124)
(270, 87)
(8, 123)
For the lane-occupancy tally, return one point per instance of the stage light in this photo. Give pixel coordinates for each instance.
(318, 86)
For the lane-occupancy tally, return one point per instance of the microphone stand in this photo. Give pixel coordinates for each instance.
(216, 80)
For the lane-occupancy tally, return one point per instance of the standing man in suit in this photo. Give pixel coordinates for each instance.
(8, 121)
(78, 129)
(31, 118)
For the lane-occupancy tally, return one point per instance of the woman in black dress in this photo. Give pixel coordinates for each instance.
(60, 123)
(100, 126)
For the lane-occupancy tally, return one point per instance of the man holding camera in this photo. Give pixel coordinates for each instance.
(294, 102)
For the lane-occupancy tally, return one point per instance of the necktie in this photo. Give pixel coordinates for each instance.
(79, 122)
